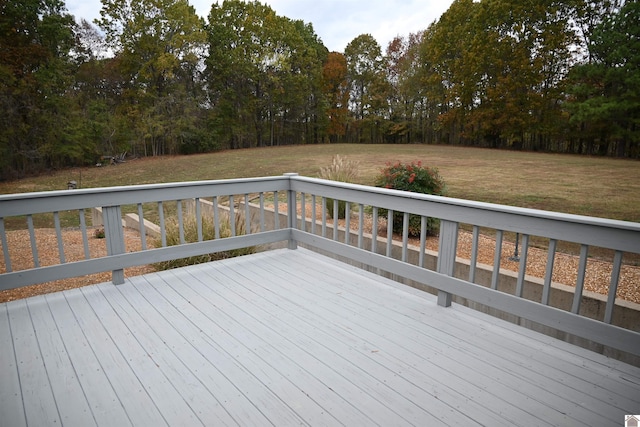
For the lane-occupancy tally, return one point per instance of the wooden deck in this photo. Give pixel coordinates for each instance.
(289, 337)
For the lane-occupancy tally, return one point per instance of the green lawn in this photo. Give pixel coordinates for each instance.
(593, 186)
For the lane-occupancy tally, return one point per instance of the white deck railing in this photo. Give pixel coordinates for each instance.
(288, 193)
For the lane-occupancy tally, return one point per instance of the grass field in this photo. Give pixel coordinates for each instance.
(581, 185)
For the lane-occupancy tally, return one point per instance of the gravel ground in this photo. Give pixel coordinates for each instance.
(46, 241)
(565, 266)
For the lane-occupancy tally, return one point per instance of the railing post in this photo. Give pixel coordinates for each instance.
(447, 256)
(112, 217)
(292, 211)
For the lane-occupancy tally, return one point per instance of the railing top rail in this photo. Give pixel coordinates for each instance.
(49, 201)
(491, 207)
(602, 232)
(608, 233)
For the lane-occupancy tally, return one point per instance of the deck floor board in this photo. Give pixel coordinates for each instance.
(101, 397)
(289, 337)
(34, 379)
(511, 369)
(456, 360)
(10, 391)
(330, 352)
(361, 349)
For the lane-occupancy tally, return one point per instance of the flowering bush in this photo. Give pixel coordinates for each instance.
(415, 178)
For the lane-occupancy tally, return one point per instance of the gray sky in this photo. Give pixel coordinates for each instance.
(336, 22)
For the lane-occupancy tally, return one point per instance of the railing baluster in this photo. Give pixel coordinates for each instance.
(423, 240)
(548, 275)
(276, 211)
(56, 222)
(247, 215)
(313, 214)
(216, 218)
(262, 224)
(374, 231)
(360, 225)
(405, 235)
(447, 247)
(389, 231)
(613, 287)
(85, 238)
(474, 253)
(143, 229)
(303, 212)
(324, 216)
(232, 215)
(496, 260)
(32, 237)
(5, 247)
(180, 221)
(347, 222)
(292, 215)
(522, 269)
(582, 269)
(335, 219)
(163, 229)
(199, 219)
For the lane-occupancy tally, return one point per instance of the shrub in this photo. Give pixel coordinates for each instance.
(342, 170)
(190, 227)
(415, 178)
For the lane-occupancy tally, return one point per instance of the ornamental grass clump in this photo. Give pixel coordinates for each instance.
(190, 229)
(342, 170)
(415, 178)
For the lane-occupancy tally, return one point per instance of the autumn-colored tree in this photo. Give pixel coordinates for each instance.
(497, 68)
(451, 71)
(336, 90)
(527, 47)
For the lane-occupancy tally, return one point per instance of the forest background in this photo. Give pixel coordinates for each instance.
(152, 78)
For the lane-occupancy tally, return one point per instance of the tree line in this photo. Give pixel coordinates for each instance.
(150, 77)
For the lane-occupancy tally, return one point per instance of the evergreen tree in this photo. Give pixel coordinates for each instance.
(606, 92)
